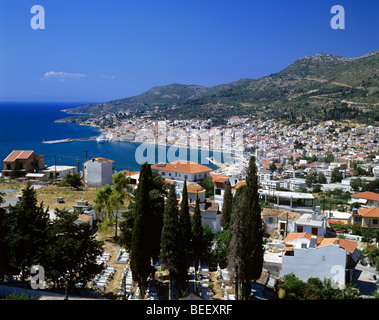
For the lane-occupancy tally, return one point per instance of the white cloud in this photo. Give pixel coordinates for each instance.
(62, 76)
(106, 76)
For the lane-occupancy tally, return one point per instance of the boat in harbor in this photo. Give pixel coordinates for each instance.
(101, 139)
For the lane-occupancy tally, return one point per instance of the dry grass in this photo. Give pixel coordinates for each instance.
(49, 195)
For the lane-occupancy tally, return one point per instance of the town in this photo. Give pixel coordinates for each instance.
(318, 190)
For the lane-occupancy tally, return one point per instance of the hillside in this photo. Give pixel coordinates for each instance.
(322, 86)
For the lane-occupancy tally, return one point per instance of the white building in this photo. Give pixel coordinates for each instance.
(309, 256)
(220, 184)
(98, 172)
(291, 201)
(210, 214)
(60, 172)
(179, 170)
(311, 223)
(375, 171)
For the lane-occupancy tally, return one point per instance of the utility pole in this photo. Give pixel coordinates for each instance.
(84, 179)
(55, 165)
(86, 151)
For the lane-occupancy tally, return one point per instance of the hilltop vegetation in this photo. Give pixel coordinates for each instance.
(318, 87)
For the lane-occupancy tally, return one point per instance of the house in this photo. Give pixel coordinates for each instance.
(180, 170)
(365, 217)
(281, 222)
(311, 256)
(210, 214)
(278, 222)
(59, 172)
(375, 171)
(195, 190)
(219, 182)
(369, 199)
(36, 178)
(98, 172)
(209, 209)
(133, 176)
(21, 162)
(291, 201)
(312, 223)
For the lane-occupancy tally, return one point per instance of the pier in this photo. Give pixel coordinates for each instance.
(68, 140)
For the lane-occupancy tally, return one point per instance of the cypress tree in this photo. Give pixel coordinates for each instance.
(5, 234)
(140, 251)
(226, 211)
(185, 219)
(197, 234)
(172, 250)
(245, 259)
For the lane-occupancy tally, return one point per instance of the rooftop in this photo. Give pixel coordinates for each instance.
(347, 245)
(366, 195)
(287, 194)
(182, 166)
(18, 155)
(369, 212)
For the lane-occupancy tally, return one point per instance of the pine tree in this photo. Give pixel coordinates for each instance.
(172, 249)
(226, 211)
(245, 259)
(197, 234)
(72, 252)
(29, 231)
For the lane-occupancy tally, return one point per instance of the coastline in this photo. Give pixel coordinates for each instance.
(230, 154)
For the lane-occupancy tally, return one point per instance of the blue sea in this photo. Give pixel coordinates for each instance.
(24, 125)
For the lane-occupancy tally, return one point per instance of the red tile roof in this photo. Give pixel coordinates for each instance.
(18, 155)
(366, 195)
(182, 166)
(347, 245)
(369, 212)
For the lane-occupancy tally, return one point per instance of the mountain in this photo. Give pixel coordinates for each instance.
(322, 86)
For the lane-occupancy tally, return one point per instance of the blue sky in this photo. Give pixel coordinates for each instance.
(102, 50)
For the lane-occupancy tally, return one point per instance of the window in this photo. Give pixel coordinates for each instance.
(290, 253)
(218, 191)
(304, 245)
(8, 166)
(270, 220)
(299, 229)
(375, 221)
(314, 231)
(163, 173)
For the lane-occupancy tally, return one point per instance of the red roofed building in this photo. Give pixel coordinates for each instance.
(368, 198)
(179, 170)
(21, 162)
(366, 217)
